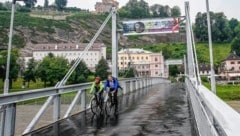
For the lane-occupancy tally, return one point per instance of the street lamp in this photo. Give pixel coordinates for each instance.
(6, 82)
(213, 82)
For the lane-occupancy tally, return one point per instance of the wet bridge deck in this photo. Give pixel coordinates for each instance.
(159, 110)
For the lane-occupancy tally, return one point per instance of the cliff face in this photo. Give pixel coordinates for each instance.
(75, 28)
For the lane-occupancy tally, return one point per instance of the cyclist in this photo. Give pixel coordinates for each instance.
(113, 85)
(97, 87)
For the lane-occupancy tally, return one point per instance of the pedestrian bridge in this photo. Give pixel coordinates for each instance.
(147, 106)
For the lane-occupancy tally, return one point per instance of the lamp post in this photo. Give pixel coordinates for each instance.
(213, 82)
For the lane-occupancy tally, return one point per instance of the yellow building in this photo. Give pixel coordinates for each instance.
(145, 62)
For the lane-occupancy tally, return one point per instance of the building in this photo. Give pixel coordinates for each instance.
(204, 69)
(145, 62)
(105, 6)
(71, 52)
(230, 67)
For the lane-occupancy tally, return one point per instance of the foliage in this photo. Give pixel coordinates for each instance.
(173, 70)
(226, 92)
(61, 4)
(14, 66)
(176, 11)
(101, 69)
(221, 30)
(30, 3)
(236, 45)
(30, 72)
(52, 69)
(130, 73)
(81, 73)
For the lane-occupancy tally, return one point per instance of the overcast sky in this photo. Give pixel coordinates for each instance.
(229, 7)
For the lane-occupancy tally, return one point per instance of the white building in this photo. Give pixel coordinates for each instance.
(71, 52)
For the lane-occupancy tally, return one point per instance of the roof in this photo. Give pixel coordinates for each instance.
(134, 51)
(232, 56)
(66, 47)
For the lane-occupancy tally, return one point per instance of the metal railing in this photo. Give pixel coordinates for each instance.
(213, 117)
(9, 102)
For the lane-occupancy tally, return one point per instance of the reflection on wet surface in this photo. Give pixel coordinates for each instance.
(159, 110)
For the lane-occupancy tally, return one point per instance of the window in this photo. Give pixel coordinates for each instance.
(142, 67)
(125, 58)
(238, 62)
(142, 58)
(232, 62)
(156, 66)
(122, 58)
(137, 58)
(133, 58)
(156, 59)
(146, 58)
(121, 63)
(156, 73)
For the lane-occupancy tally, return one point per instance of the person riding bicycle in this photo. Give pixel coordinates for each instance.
(113, 85)
(97, 87)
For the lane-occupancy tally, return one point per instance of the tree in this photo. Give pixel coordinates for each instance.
(135, 9)
(173, 70)
(175, 11)
(101, 69)
(235, 46)
(61, 4)
(52, 69)
(30, 72)
(221, 31)
(30, 3)
(80, 74)
(46, 4)
(14, 66)
(130, 73)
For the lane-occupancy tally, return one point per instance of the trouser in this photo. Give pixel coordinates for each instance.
(115, 100)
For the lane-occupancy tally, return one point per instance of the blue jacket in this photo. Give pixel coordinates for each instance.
(115, 82)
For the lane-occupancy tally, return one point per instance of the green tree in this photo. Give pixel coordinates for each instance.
(235, 46)
(52, 69)
(81, 73)
(30, 3)
(61, 4)
(135, 9)
(175, 11)
(14, 66)
(130, 72)
(46, 4)
(173, 70)
(221, 31)
(30, 72)
(101, 69)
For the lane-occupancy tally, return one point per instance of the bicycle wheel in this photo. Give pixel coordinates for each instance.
(94, 106)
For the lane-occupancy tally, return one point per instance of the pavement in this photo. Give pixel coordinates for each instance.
(159, 110)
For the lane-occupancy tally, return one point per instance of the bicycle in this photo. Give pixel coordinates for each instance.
(96, 104)
(110, 105)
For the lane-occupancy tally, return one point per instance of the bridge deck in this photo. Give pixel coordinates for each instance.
(159, 110)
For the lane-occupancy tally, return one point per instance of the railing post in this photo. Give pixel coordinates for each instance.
(124, 87)
(131, 86)
(136, 84)
(10, 117)
(56, 108)
(83, 100)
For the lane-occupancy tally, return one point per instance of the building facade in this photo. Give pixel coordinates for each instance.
(145, 62)
(230, 67)
(105, 6)
(71, 52)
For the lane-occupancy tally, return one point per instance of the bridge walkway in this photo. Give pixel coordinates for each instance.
(159, 110)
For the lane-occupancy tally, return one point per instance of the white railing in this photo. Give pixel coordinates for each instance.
(213, 116)
(9, 101)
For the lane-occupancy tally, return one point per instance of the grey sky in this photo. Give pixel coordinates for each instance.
(229, 7)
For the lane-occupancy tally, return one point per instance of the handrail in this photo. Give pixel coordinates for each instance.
(39, 93)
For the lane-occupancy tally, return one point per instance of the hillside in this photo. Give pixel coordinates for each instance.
(82, 27)
(77, 27)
